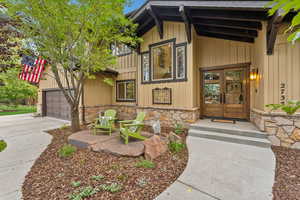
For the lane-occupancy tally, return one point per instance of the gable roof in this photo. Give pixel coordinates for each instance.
(233, 20)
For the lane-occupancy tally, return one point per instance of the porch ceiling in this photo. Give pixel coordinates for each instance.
(232, 20)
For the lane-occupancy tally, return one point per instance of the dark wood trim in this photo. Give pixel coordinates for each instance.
(185, 59)
(183, 12)
(159, 23)
(125, 81)
(174, 63)
(229, 31)
(229, 15)
(228, 24)
(224, 37)
(230, 66)
(272, 30)
(44, 102)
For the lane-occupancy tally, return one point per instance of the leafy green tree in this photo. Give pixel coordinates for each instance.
(287, 6)
(75, 37)
(10, 41)
(14, 90)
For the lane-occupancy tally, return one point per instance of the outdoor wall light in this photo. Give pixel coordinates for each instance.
(254, 74)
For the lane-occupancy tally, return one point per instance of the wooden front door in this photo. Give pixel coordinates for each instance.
(225, 93)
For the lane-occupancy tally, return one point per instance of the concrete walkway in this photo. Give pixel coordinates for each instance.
(25, 142)
(222, 170)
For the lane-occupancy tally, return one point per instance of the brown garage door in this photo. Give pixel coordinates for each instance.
(57, 105)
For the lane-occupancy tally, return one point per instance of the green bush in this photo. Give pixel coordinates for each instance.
(114, 187)
(76, 183)
(178, 129)
(176, 147)
(66, 151)
(145, 164)
(83, 193)
(3, 145)
(97, 178)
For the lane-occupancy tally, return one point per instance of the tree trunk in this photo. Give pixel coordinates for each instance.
(75, 122)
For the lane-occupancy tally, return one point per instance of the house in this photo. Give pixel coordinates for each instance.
(222, 59)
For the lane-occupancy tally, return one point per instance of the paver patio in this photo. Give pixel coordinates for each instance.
(26, 141)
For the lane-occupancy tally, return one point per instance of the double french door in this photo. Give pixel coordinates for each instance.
(225, 93)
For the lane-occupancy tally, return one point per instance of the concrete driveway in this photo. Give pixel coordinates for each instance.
(25, 142)
(220, 170)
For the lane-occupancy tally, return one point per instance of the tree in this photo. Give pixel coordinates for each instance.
(74, 36)
(288, 6)
(14, 90)
(10, 41)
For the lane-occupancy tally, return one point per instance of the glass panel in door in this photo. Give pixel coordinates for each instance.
(212, 88)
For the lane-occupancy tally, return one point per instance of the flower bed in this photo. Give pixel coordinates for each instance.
(100, 175)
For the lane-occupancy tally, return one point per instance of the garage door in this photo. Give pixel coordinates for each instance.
(57, 105)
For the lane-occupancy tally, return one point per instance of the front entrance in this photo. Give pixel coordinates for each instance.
(226, 93)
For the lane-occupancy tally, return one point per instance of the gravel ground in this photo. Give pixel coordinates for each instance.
(51, 176)
(287, 176)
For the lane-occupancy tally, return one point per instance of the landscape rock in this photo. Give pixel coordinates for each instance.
(154, 147)
(117, 147)
(274, 140)
(296, 135)
(283, 121)
(296, 145)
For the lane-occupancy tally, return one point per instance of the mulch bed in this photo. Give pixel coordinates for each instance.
(51, 176)
(287, 176)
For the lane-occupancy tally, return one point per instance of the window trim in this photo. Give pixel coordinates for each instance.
(142, 67)
(125, 81)
(185, 61)
(173, 79)
(172, 60)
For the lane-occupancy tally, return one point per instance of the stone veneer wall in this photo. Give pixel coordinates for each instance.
(281, 129)
(167, 117)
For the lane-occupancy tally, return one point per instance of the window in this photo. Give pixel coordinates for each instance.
(126, 90)
(145, 67)
(181, 62)
(120, 49)
(162, 61)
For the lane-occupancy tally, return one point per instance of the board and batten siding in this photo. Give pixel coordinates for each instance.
(182, 92)
(127, 67)
(283, 67)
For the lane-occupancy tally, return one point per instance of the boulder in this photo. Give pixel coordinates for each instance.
(296, 135)
(173, 137)
(154, 147)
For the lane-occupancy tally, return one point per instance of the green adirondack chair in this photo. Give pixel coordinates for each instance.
(132, 128)
(105, 123)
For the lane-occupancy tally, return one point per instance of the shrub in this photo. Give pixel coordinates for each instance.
(76, 183)
(66, 151)
(83, 193)
(97, 178)
(145, 164)
(3, 145)
(114, 187)
(178, 129)
(176, 147)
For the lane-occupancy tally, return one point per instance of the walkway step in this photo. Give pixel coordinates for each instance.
(229, 131)
(233, 138)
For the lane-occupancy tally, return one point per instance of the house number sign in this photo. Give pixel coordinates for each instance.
(282, 93)
(162, 96)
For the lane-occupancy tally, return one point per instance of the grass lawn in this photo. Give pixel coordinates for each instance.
(11, 110)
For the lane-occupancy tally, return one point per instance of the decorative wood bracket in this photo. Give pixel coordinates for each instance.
(272, 30)
(158, 22)
(187, 23)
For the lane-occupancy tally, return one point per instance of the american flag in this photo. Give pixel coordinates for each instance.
(32, 69)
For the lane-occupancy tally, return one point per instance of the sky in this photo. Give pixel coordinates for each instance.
(135, 4)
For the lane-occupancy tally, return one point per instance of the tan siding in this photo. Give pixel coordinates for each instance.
(96, 92)
(215, 52)
(182, 92)
(283, 67)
